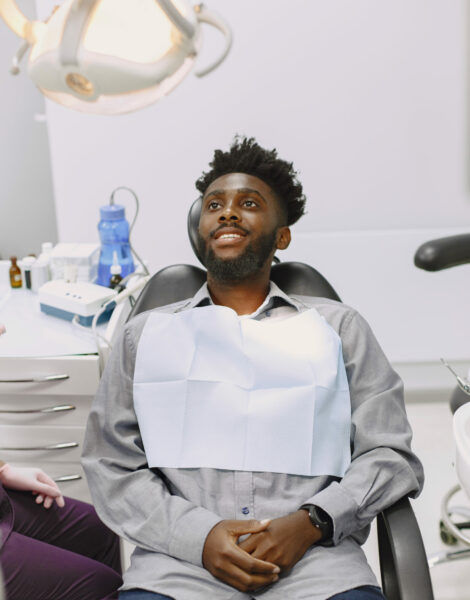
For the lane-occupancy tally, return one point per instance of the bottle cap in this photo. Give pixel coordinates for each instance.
(46, 247)
(112, 212)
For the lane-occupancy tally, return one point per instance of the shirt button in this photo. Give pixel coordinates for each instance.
(245, 510)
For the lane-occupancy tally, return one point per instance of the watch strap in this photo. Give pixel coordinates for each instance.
(321, 520)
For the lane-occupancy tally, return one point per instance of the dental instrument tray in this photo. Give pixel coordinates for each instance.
(63, 299)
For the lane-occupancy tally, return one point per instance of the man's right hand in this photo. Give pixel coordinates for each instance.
(228, 562)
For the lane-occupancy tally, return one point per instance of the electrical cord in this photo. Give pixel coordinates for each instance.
(111, 201)
(94, 324)
(445, 516)
(76, 323)
(116, 300)
(125, 294)
(121, 286)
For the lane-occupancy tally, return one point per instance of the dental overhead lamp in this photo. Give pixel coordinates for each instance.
(112, 56)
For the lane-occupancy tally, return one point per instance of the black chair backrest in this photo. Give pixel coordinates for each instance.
(193, 224)
(178, 282)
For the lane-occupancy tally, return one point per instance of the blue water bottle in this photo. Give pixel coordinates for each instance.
(114, 235)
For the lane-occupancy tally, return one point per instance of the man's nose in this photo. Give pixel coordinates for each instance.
(230, 213)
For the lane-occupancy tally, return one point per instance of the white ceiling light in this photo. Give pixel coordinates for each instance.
(112, 56)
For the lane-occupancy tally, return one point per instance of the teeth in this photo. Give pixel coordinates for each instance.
(230, 235)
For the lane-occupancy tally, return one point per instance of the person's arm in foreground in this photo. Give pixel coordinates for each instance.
(135, 502)
(31, 479)
(383, 468)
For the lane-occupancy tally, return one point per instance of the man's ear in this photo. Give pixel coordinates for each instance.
(283, 238)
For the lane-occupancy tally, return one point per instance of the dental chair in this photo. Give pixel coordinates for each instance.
(436, 255)
(403, 564)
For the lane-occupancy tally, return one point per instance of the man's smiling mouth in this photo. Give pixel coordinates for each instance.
(226, 236)
(226, 232)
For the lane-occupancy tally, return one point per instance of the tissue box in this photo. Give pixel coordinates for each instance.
(84, 256)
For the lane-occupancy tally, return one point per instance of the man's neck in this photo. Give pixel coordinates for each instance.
(243, 297)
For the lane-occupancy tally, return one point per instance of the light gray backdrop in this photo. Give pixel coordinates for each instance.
(370, 101)
(27, 213)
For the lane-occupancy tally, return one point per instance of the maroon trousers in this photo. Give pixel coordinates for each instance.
(57, 554)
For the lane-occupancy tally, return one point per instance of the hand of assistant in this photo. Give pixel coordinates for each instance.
(30, 479)
(225, 560)
(284, 542)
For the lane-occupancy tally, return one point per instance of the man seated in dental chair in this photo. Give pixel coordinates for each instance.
(244, 439)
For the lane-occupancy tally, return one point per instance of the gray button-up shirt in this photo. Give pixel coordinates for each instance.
(168, 513)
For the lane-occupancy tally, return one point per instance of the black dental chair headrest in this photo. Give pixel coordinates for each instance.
(178, 282)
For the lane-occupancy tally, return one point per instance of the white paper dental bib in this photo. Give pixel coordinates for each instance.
(214, 390)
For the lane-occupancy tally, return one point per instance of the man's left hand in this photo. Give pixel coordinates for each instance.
(285, 541)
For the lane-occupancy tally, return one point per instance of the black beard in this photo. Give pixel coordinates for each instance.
(244, 266)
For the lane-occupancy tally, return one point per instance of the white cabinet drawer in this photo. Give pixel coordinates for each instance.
(33, 445)
(64, 375)
(66, 477)
(24, 409)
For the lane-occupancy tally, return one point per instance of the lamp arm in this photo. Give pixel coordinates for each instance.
(16, 21)
(178, 20)
(74, 29)
(206, 16)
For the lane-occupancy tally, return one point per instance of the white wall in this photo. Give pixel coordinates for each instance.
(27, 212)
(369, 99)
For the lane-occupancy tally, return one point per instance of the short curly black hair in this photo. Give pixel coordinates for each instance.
(247, 156)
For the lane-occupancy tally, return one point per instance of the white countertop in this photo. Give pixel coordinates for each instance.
(30, 332)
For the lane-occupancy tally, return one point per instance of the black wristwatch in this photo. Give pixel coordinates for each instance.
(321, 520)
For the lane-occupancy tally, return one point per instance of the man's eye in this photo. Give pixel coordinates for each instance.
(213, 205)
(249, 203)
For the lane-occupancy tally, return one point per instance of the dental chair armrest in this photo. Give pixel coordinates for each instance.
(443, 253)
(403, 564)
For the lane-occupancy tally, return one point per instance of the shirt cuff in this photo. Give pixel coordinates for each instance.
(189, 535)
(339, 505)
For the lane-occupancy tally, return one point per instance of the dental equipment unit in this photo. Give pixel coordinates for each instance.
(60, 298)
(436, 255)
(89, 303)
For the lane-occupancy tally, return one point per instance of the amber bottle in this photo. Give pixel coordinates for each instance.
(15, 274)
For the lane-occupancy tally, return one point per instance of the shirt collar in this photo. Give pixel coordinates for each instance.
(275, 297)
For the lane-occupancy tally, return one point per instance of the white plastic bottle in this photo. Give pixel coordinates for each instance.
(40, 269)
(46, 247)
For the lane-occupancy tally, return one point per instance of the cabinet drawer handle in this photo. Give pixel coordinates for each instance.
(59, 446)
(64, 478)
(39, 379)
(46, 409)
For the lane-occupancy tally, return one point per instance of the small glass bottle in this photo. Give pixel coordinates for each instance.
(116, 271)
(28, 261)
(15, 274)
